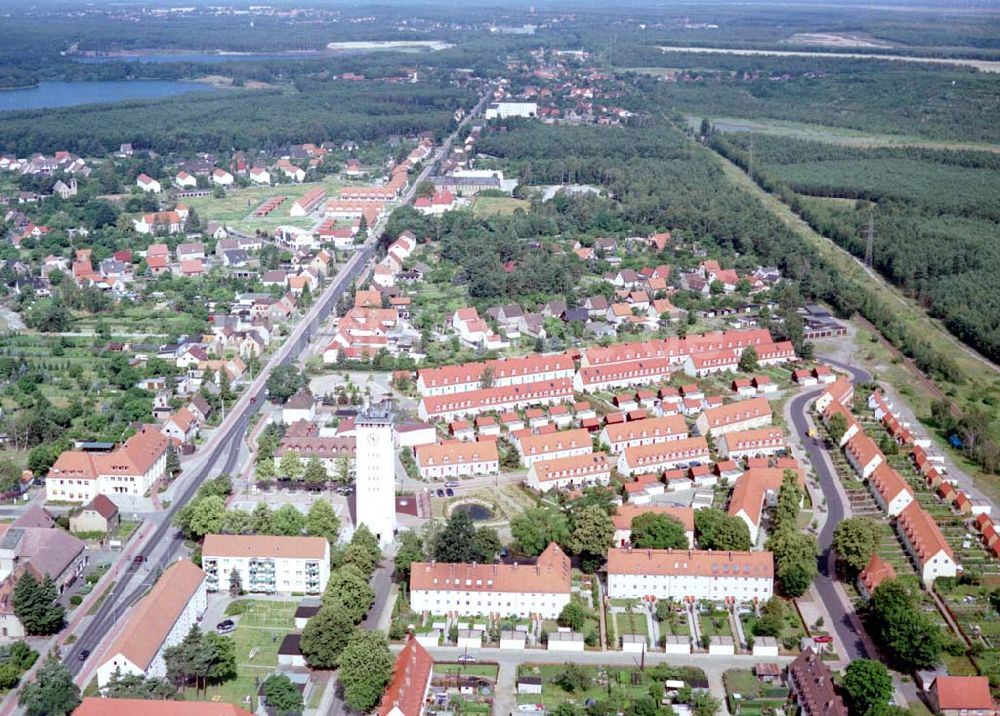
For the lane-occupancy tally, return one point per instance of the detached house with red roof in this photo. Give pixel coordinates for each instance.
(158, 621)
(876, 572)
(963, 696)
(148, 184)
(437, 204)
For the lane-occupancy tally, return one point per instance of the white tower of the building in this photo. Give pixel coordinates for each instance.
(375, 486)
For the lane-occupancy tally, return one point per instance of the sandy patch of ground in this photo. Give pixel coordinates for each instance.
(838, 40)
(390, 45)
(225, 82)
(983, 65)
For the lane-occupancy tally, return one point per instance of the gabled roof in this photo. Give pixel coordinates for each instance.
(410, 676)
(154, 616)
(963, 693)
(97, 706)
(876, 572)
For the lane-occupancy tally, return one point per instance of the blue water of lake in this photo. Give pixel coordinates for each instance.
(65, 94)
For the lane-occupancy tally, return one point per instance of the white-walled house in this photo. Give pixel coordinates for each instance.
(541, 589)
(159, 620)
(455, 458)
(690, 574)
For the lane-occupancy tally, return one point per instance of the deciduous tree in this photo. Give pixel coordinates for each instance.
(658, 531)
(365, 669)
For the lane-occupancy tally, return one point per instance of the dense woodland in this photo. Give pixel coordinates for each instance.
(935, 216)
(250, 120)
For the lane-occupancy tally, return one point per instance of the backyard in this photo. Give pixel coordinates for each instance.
(259, 631)
(602, 681)
(746, 695)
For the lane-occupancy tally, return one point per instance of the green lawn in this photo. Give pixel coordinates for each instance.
(488, 671)
(486, 205)
(258, 635)
(632, 624)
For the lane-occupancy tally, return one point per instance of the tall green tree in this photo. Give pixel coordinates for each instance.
(593, 534)
(410, 550)
(349, 591)
(868, 684)
(282, 697)
(315, 473)
(288, 521)
(322, 521)
(854, 541)
(457, 541)
(658, 531)
(904, 628)
(290, 466)
(52, 692)
(365, 669)
(325, 636)
(537, 527)
(748, 360)
(35, 605)
(795, 560)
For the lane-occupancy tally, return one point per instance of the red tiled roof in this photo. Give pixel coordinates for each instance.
(410, 677)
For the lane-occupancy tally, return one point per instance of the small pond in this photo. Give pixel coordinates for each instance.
(474, 510)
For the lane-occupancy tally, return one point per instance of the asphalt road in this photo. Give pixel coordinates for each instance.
(840, 617)
(219, 455)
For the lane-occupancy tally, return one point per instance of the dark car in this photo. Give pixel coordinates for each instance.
(440, 492)
(84, 654)
(450, 492)
(224, 627)
(138, 559)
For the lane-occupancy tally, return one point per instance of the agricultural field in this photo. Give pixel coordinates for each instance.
(259, 631)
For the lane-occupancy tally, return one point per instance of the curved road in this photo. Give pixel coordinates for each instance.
(842, 615)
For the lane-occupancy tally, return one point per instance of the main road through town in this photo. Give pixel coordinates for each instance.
(220, 454)
(844, 621)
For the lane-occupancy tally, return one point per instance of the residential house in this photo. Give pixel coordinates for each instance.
(572, 472)
(541, 589)
(99, 515)
(455, 458)
(690, 575)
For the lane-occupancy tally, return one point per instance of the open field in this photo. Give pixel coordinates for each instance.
(834, 135)
(237, 207)
(487, 205)
(845, 39)
(982, 65)
(258, 635)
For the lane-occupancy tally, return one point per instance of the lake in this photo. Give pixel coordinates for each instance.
(206, 57)
(65, 94)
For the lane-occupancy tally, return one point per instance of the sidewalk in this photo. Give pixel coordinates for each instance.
(9, 703)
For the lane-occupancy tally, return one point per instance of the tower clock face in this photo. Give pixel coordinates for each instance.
(372, 439)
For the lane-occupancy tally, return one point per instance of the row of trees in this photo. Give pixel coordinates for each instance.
(207, 514)
(332, 638)
(794, 551)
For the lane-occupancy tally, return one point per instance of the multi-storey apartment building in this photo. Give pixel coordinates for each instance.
(541, 589)
(267, 564)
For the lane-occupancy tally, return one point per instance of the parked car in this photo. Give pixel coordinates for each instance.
(450, 492)
(466, 659)
(440, 493)
(823, 639)
(226, 626)
(451, 483)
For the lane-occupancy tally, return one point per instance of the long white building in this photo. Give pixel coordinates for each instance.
(500, 399)
(266, 563)
(451, 379)
(649, 431)
(689, 575)
(457, 457)
(658, 457)
(541, 589)
(569, 472)
(159, 620)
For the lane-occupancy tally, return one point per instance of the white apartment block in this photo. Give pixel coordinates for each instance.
(455, 458)
(267, 564)
(541, 589)
(690, 575)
